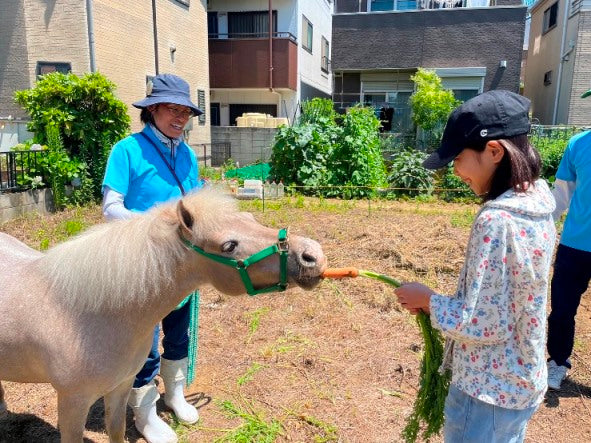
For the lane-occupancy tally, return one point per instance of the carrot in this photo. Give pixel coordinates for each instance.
(340, 272)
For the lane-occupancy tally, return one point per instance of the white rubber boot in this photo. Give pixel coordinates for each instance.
(174, 374)
(147, 422)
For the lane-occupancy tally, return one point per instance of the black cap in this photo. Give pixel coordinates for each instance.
(491, 115)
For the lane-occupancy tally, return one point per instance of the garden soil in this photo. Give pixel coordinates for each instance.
(338, 363)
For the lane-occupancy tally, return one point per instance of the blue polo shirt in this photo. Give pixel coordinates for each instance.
(137, 171)
(575, 166)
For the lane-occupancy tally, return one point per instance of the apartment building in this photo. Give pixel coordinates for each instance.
(473, 45)
(267, 56)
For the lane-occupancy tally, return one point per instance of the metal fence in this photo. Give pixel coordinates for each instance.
(213, 154)
(17, 168)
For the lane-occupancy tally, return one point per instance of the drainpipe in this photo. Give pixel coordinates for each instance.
(155, 31)
(271, 45)
(90, 26)
(559, 76)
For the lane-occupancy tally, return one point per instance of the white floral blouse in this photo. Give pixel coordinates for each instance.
(497, 318)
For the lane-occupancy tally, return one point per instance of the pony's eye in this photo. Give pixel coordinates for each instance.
(229, 246)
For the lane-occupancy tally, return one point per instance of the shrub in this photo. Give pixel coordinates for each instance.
(551, 151)
(408, 174)
(88, 116)
(455, 189)
(356, 161)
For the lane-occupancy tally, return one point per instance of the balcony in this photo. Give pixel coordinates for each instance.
(242, 61)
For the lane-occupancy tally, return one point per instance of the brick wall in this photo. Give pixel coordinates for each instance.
(125, 50)
(13, 57)
(579, 108)
(32, 31)
(56, 31)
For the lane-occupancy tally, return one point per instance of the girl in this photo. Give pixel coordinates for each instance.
(495, 322)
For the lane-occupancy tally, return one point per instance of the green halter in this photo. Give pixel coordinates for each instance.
(281, 248)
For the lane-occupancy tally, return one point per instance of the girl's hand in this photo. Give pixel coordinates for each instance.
(414, 296)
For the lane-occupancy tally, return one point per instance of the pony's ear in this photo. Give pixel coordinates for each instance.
(185, 218)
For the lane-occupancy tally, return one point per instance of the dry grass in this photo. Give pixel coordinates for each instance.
(339, 363)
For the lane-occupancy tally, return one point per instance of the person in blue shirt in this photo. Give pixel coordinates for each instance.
(144, 170)
(572, 266)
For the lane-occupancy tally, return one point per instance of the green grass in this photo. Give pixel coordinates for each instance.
(254, 321)
(250, 372)
(254, 428)
(462, 219)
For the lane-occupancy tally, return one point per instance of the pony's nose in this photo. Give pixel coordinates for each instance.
(311, 256)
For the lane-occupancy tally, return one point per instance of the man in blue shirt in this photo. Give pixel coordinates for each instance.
(572, 266)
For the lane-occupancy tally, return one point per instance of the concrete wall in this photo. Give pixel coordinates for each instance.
(18, 203)
(249, 145)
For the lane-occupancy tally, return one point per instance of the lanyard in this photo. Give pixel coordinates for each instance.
(170, 168)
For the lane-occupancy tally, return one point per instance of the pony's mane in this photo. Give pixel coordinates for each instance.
(115, 263)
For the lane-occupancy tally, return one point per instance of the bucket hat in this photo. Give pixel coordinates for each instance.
(168, 88)
(489, 116)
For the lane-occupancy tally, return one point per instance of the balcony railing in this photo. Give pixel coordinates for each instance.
(245, 35)
(410, 5)
(242, 61)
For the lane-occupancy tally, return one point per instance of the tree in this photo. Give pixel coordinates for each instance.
(430, 103)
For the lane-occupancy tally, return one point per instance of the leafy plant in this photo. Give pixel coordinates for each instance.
(454, 187)
(300, 155)
(87, 115)
(408, 174)
(356, 160)
(327, 158)
(551, 151)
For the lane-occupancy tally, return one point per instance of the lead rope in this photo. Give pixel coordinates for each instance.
(193, 337)
(193, 300)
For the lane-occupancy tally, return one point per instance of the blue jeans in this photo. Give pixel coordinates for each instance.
(572, 272)
(175, 327)
(470, 420)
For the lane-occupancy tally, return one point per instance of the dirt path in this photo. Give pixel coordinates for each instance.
(339, 363)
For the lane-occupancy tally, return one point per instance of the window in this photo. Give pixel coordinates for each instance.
(201, 105)
(212, 24)
(465, 94)
(547, 78)
(307, 34)
(47, 67)
(325, 55)
(550, 17)
(250, 24)
(184, 2)
(392, 5)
